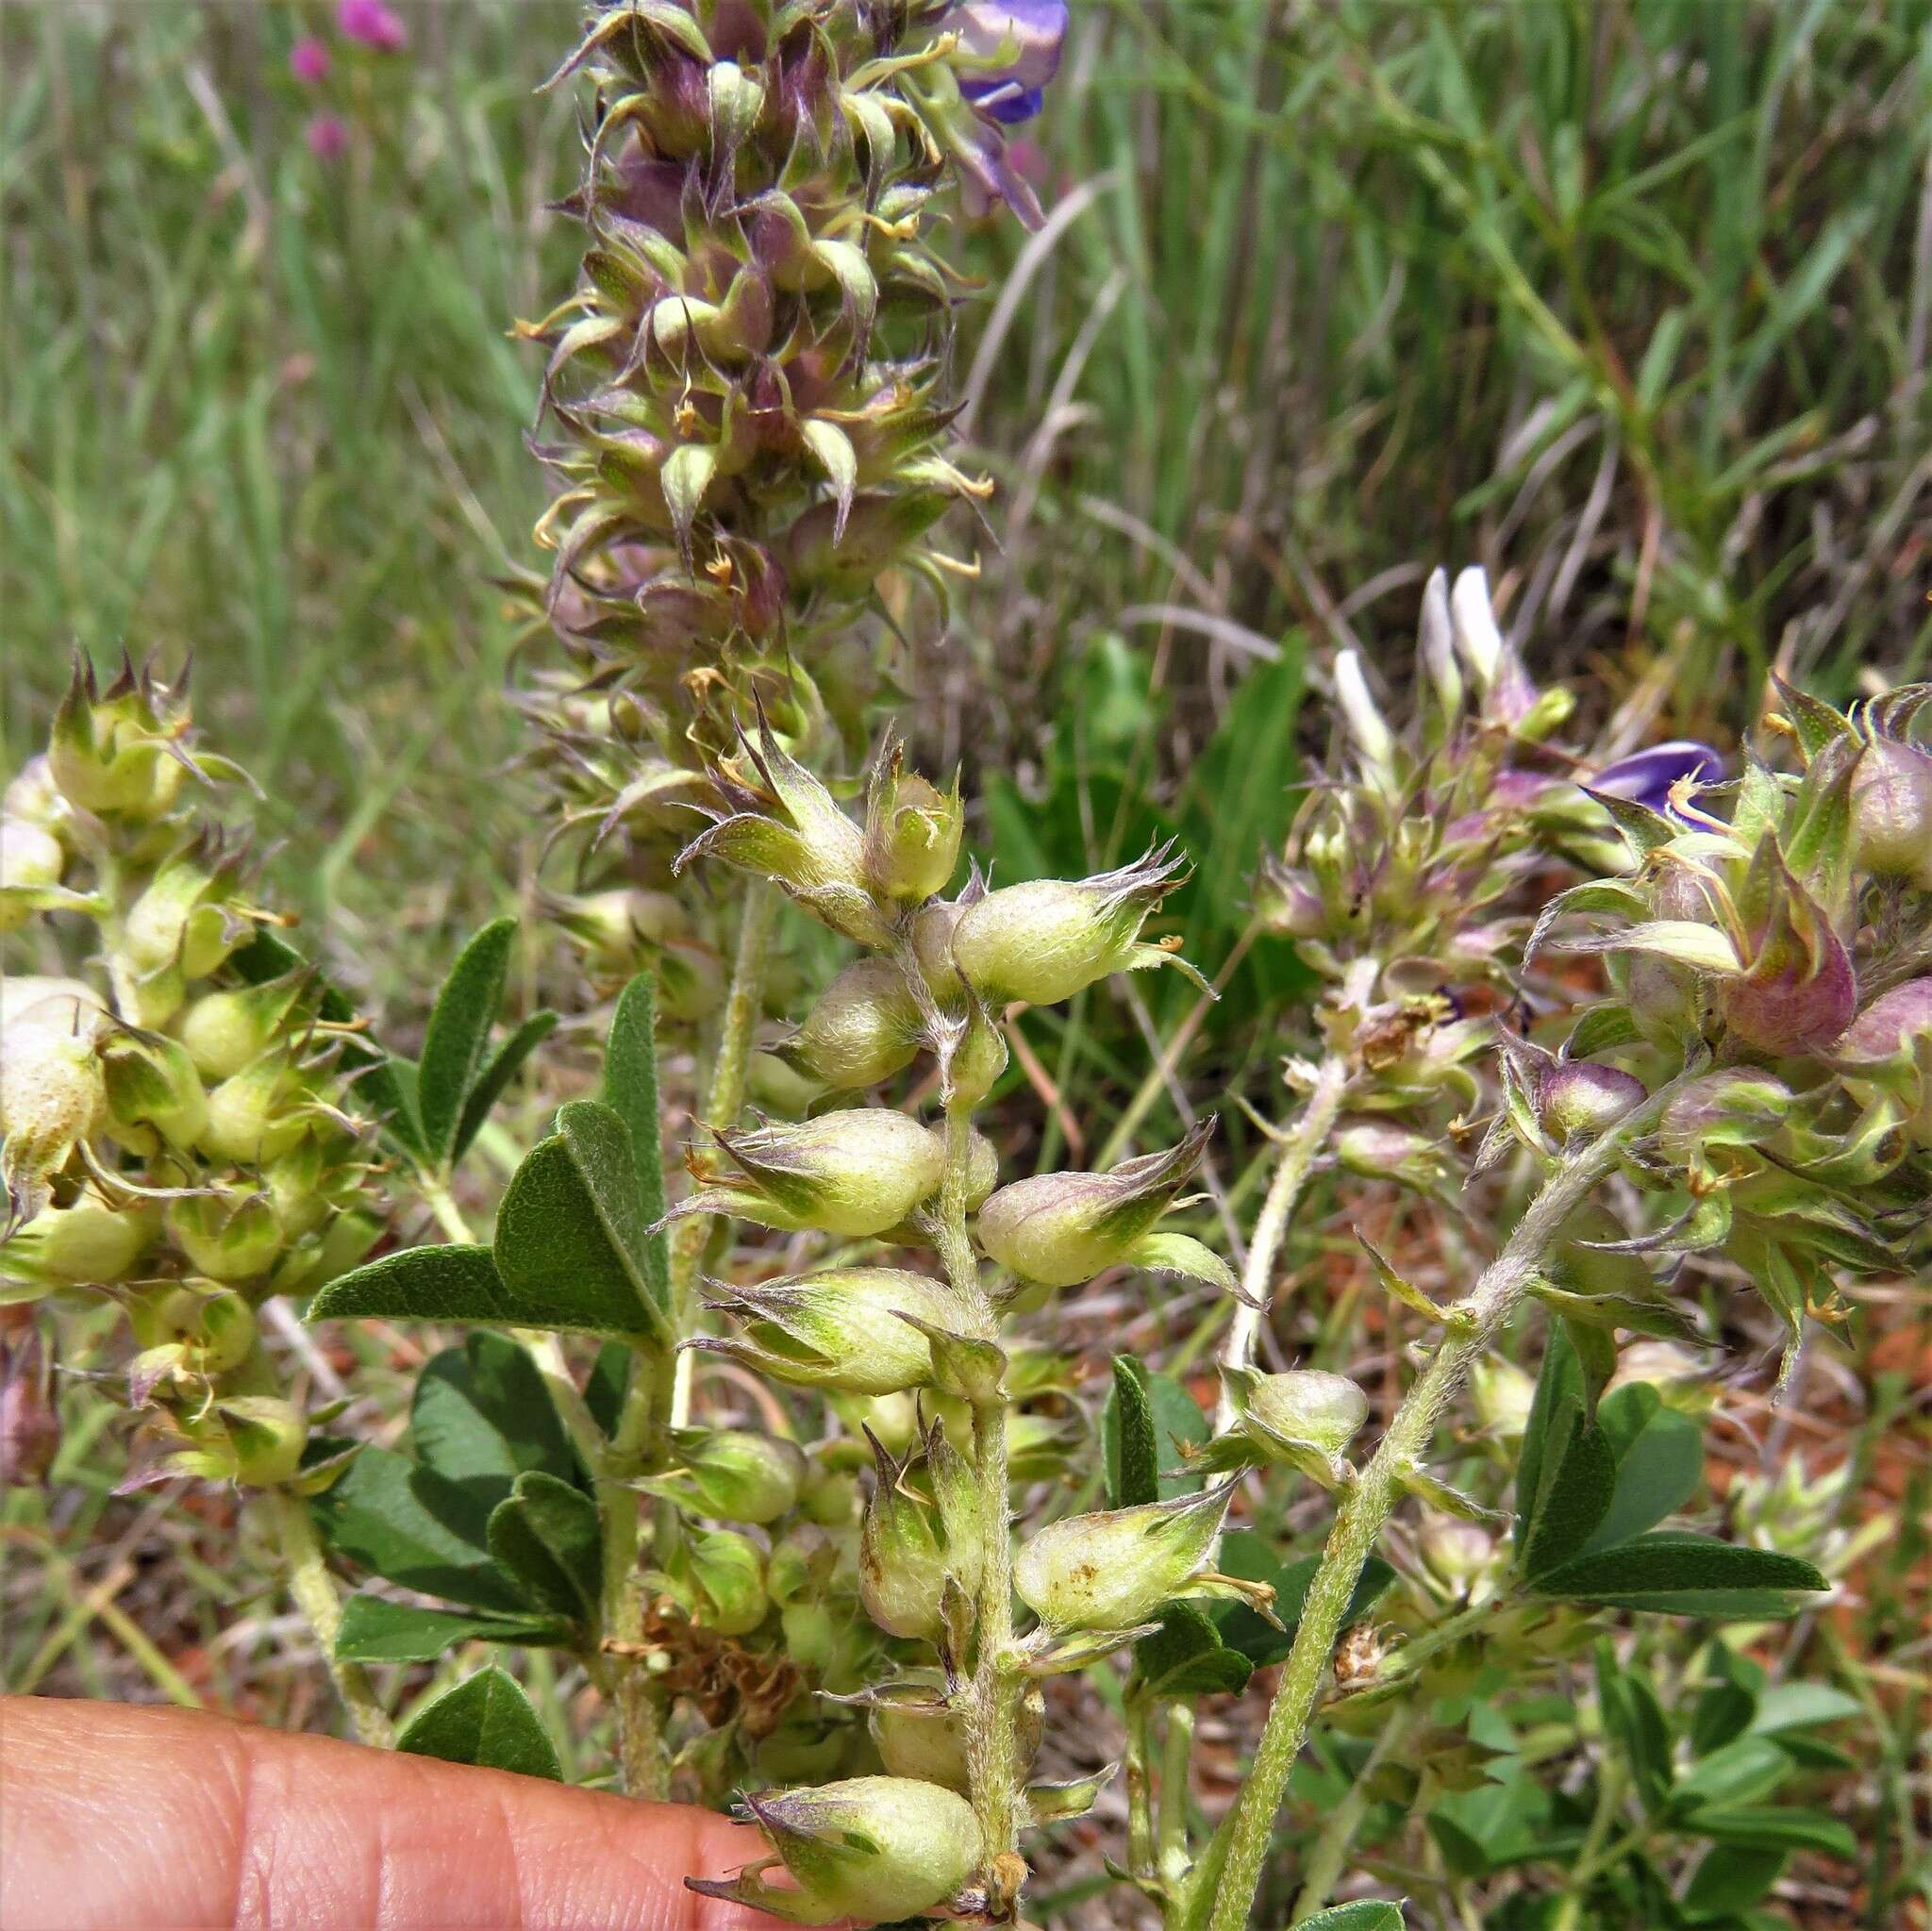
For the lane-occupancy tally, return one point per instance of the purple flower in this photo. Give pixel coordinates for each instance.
(327, 136)
(1645, 778)
(373, 24)
(308, 60)
(1030, 33)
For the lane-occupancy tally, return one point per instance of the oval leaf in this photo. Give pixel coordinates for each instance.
(485, 1720)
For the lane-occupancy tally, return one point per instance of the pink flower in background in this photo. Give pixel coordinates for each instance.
(327, 136)
(373, 24)
(308, 60)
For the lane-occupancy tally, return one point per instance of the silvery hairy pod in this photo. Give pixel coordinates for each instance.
(913, 832)
(730, 1474)
(1892, 812)
(1114, 1570)
(776, 821)
(1060, 1229)
(919, 1531)
(864, 1028)
(857, 1172)
(1305, 1418)
(1381, 1150)
(1044, 940)
(52, 1097)
(860, 1330)
(869, 1848)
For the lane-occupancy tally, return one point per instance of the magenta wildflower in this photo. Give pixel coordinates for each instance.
(373, 24)
(310, 61)
(327, 136)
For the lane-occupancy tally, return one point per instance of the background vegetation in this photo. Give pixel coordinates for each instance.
(1628, 299)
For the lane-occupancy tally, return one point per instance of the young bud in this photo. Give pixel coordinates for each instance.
(1503, 1394)
(212, 1327)
(1797, 991)
(1578, 1099)
(154, 1093)
(864, 1028)
(919, 1529)
(1060, 1229)
(783, 825)
(718, 1576)
(257, 1115)
(229, 1232)
(1114, 1570)
(870, 1848)
(1305, 1418)
(839, 1329)
(1378, 1150)
(1892, 812)
(1458, 1555)
(911, 833)
(855, 1173)
(109, 752)
(1891, 1031)
(52, 1097)
(917, 1733)
(1044, 942)
(730, 1474)
(186, 920)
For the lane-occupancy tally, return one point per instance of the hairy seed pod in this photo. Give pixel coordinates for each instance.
(225, 1031)
(1577, 1099)
(863, 1029)
(731, 1474)
(85, 1242)
(228, 1233)
(911, 833)
(107, 751)
(154, 1094)
(257, 1115)
(855, 1173)
(1892, 812)
(52, 1097)
(1114, 1570)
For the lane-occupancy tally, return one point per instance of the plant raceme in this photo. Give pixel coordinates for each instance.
(797, 1465)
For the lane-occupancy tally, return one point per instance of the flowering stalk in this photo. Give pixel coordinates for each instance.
(1371, 1499)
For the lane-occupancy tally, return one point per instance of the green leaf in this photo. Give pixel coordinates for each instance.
(1247, 1555)
(1800, 1706)
(417, 1528)
(609, 1383)
(570, 1235)
(1576, 1494)
(1147, 1416)
(1740, 1772)
(1659, 1459)
(1560, 1383)
(481, 1415)
(458, 1284)
(496, 1076)
(485, 1720)
(1732, 1878)
(1186, 1657)
(546, 1535)
(375, 1630)
(459, 1033)
(1369, 1914)
(1671, 1572)
(630, 1090)
(1771, 1827)
(1633, 1717)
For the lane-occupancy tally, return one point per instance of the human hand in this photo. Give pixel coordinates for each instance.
(113, 1817)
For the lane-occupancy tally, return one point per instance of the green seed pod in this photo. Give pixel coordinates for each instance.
(229, 1232)
(85, 1242)
(911, 833)
(838, 1329)
(920, 1528)
(1458, 1554)
(1305, 1418)
(1060, 1229)
(725, 1576)
(31, 862)
(731, 1474)
(254, 1440)
(870, 1848)
(109, 750)
(185, 921)
(855, 1173)
(1577, 1099)
(1114, 1570)
(214, 1326)
(863, 1029)
(318, 1258)
(1734, 1108)
(257, 1115)
(154, 1094)
(1379, 1150)
(920, 1734)
(1044, 940)
(226, 1031)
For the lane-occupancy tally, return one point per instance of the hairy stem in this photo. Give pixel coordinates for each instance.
(659, 1396)
(1140, 1786)
(314, 1591)
(1329, 1853)
(1176, 1754)
(1372, 1498)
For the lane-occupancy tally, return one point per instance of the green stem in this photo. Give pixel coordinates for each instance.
(449, 1216)
(1590, 1858)
(1176, 1754)
(659, 1396)
(314, 1591)
(1372, 1498)
(1297, 1156)
(1331, 1848)
(1140, 1786)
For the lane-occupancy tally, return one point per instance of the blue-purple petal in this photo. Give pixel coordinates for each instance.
(1007, 101)
(1645, 778)
(1029, 32)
